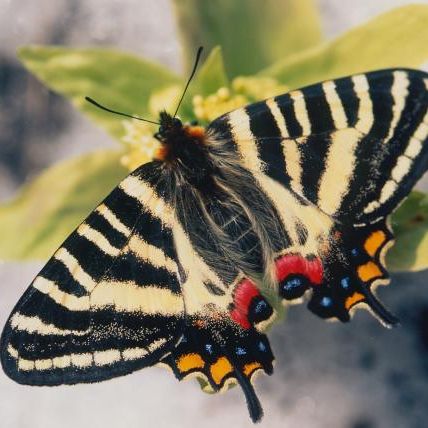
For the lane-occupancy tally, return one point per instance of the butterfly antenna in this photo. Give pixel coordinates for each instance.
(198, 55)
(92, 101)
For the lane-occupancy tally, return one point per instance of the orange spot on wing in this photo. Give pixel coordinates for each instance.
(188, 362)
(220, 369)
(251, 367)
(352, 300)
(374, 242)
(369, 271)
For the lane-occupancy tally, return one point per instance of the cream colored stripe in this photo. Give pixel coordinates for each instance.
(387, 191)
(365, 110)
(402, 166)
(128, 296)
(113, 220)
(292, 164)
(240, 126)
(421, 132)
(99, 358)
(301, 112)
(278, 116)
(197, 271)
(134, 353)
(338, 170)
(36, 325)
(152, 254)
(418, 138)
(82, 360)
(413, 148)
(104, 358)
(399, 93)
(73, 266)
(98, 239)
(371, 207)
(71, 263)
(25, 365)
(69, 301)
(43, 364)
(335, 104)
(62, 362)
(13, 352)
(156, 344)
(141, 191)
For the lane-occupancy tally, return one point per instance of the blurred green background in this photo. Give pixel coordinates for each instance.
(133, 55)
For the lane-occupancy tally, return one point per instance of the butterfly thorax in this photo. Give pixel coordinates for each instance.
(184, 148)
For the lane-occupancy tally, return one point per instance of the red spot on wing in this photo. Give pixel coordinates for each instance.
(244, 293)
(293, 264)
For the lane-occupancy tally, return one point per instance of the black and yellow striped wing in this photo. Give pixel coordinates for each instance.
(354, 146)
(128, 289)
(108, 302)
(336, 158)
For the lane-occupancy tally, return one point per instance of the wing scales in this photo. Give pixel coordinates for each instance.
(336, 157)
(101, 307)
(383, 112)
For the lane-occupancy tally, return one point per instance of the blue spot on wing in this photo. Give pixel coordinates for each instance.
(260, 306)
(345, 282)
(240, 351)
(292, 283)
(326, 301)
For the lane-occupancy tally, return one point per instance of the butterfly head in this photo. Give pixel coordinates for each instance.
(185, 143)
(169, 127)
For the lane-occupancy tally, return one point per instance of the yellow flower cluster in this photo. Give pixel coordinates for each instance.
(243, 91)
(214, 105)
(258, 88)
(140, 143)
(142, 146)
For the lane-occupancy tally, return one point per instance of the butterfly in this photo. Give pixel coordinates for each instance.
(189, 260)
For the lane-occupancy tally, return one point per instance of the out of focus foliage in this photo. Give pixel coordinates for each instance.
(254, 52)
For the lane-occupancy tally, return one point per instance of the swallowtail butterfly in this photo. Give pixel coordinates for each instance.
(191, 257)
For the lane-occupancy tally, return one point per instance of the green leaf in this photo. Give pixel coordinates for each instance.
(410, 225)
(47, 210)
(211, 75)
(121, 81)
(252, 33)
(395, 39)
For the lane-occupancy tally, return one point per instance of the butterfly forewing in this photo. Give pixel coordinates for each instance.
(353, 136)
(108, 302)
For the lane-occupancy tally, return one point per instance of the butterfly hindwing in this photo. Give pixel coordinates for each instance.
(220, 353)
(353, 268)
(109, 300)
